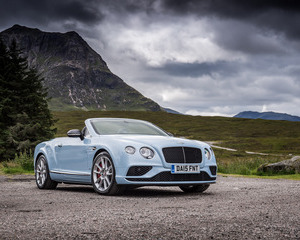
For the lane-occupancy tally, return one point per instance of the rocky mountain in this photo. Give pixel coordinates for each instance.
(76, 76)
(267, 116)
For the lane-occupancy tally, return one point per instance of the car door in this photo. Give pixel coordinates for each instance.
(71, 155)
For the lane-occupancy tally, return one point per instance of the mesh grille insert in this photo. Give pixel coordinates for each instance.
(213, 170)
(182, 155)
(138, 170)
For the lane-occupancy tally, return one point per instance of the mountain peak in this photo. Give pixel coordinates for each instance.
(76, 76)
(19, 28)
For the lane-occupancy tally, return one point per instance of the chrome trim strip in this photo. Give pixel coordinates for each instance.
(71, 173)
(184, 158)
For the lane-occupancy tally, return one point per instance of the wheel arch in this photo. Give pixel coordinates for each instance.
(100, 151)
(37, 155)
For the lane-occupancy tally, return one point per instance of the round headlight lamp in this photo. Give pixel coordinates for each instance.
(130, 150)
(207, 153)
(147, 152)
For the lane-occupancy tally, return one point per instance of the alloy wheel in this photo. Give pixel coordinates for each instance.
(103, 173)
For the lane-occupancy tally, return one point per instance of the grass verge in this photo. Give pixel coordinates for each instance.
(22, 164)
(240, 163)
(287, 177)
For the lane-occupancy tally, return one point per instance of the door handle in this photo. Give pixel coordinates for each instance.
(59, 145)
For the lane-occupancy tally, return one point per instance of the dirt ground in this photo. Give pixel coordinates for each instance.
(234, 208)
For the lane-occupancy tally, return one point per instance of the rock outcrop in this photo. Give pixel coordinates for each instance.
(287, 166)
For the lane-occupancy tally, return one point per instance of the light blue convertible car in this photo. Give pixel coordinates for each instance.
(113, 154)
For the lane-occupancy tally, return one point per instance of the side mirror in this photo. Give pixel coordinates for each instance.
(75, 133)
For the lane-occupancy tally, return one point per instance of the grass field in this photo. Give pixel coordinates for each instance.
(279, 138)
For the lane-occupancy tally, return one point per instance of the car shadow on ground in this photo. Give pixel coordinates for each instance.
(75, 188)
(160, 192)
(137, 192)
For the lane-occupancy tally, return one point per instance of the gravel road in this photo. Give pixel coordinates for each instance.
(234, 208)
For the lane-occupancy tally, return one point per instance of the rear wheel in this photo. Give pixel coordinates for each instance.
(194, 188)
(42, 176)
(103, 175)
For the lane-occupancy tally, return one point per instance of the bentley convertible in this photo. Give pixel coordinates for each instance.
(113, 154)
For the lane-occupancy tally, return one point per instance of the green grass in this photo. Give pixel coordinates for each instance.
(277, 137)
(280, 138)
(22, 164)
(242, 163)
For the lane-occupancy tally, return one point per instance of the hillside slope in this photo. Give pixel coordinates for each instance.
(76, 76)
(267, 116)
(255, 135)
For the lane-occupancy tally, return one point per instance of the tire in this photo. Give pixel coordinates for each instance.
(103, 175)
(42, 176)
(194, 188)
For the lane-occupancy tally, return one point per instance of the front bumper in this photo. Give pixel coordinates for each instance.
(163, 176)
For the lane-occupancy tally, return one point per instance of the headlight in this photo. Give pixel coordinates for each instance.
(212, 152)
(130, 150)
(146, 152)
(207, 153)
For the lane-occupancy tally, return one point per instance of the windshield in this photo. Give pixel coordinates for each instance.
(122, 126)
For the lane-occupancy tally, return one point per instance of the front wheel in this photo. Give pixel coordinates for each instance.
(42, 176)
(103, 175)
(194, 188)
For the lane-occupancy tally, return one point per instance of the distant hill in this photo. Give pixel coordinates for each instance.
(169, 110)
(76, 76)
(267, 116)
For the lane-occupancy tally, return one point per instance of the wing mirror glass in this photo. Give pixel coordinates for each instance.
(75, 133)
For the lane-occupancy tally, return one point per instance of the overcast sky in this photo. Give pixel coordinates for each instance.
(204, 57)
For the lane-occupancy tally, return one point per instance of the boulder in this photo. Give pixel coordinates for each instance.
(286, 166)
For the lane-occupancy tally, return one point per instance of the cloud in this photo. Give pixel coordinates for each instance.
(42, 13)
(196, 56)
(276, 15)
(195, 69)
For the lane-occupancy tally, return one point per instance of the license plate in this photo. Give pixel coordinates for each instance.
(185, 169)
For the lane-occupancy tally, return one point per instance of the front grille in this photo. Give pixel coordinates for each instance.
(169, 177)
(182, 155)
(138, 170)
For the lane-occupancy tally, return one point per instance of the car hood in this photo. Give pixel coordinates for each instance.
(155, 141)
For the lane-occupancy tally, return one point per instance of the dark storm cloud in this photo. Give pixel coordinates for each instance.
(275, 15)
(230, 8)
(239, 36)
(195, 70)
(39, 12)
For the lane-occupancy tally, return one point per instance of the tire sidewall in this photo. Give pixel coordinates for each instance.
(47, 171)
